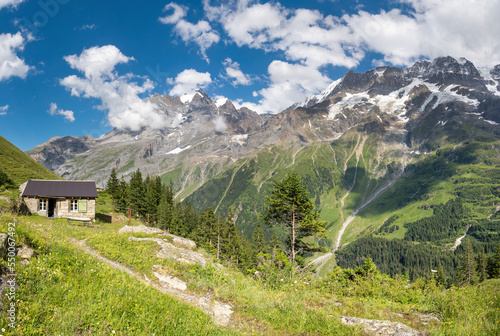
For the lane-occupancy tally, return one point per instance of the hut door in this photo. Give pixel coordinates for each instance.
(51, 207)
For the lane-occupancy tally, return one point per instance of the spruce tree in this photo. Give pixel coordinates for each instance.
(290, 206)
(258, 242)
(494, 265)
(112, 187)
(481, 266)
(440, 277)
(136, 193)
(467, 269)
(122, 196)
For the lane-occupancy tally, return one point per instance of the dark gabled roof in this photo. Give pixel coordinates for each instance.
(44, 188)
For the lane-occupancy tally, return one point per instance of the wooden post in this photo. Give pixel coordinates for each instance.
(218, 238)
(148, 219)
(129, 216)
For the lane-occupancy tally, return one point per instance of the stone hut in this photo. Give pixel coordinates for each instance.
(61, 199)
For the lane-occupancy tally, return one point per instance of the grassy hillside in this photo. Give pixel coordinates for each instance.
(362, 174)
(19, 166)
(116, 303)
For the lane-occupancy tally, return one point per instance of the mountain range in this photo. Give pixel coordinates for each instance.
(387, 143)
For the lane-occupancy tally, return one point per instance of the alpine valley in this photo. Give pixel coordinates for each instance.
(398, 161)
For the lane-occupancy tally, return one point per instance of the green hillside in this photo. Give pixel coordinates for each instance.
(126, 296)
(425, 208)
(19, 166)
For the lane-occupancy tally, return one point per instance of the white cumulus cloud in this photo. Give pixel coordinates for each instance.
(3, 109)
(233, 71)
(119, 95)
(189, 81)
(200, 33)
(290, 83)
(220, 124)
(68, 115)
(9, 3)
(10, 64)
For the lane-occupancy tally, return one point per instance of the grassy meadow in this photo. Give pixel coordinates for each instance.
(64, 291)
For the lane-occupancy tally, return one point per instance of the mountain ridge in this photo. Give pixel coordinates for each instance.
(369, 140)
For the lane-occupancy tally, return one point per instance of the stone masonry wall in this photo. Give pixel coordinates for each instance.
(62, 208)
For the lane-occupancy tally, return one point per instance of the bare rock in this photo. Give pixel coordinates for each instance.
(182, 242)
(25, 254)
(141, 229)
(427, 318)
(179, 254)
(379, 327)
(168, 281)
(179, 241)
(220, 312)
(3, 243)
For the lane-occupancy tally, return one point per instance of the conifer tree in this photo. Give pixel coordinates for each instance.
(205, 233)
(494, 265)
(290, 206)
(481, 266)
(166, 212)
(276, 246)
(122, 196)
(467, 269)
(258, 242)
(136, 193)
(112, 187)
(440, 277)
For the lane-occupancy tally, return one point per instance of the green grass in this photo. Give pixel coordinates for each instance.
(20, 167)
(56, 296)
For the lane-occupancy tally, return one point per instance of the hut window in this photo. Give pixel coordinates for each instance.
(73, 205)
(42, 205)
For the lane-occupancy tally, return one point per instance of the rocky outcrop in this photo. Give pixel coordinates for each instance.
(25, 254)
(379, 327)
(3, 243)
(170, 251)
(167, 280)
(176, 240)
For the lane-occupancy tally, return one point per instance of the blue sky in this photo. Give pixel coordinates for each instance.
(71, 67)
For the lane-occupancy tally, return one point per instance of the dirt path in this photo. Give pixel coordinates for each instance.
(220, 312)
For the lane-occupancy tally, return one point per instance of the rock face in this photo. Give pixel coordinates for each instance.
(198, 126)
(378, 327)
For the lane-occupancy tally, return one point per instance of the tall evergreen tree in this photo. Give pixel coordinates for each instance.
(258, 242)
(494, 265)
(112, 187)
(289, 205)
(467, 269)
(440, 276)
(122, 195)
(481, 267)
(206, 233)
(136, 193)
